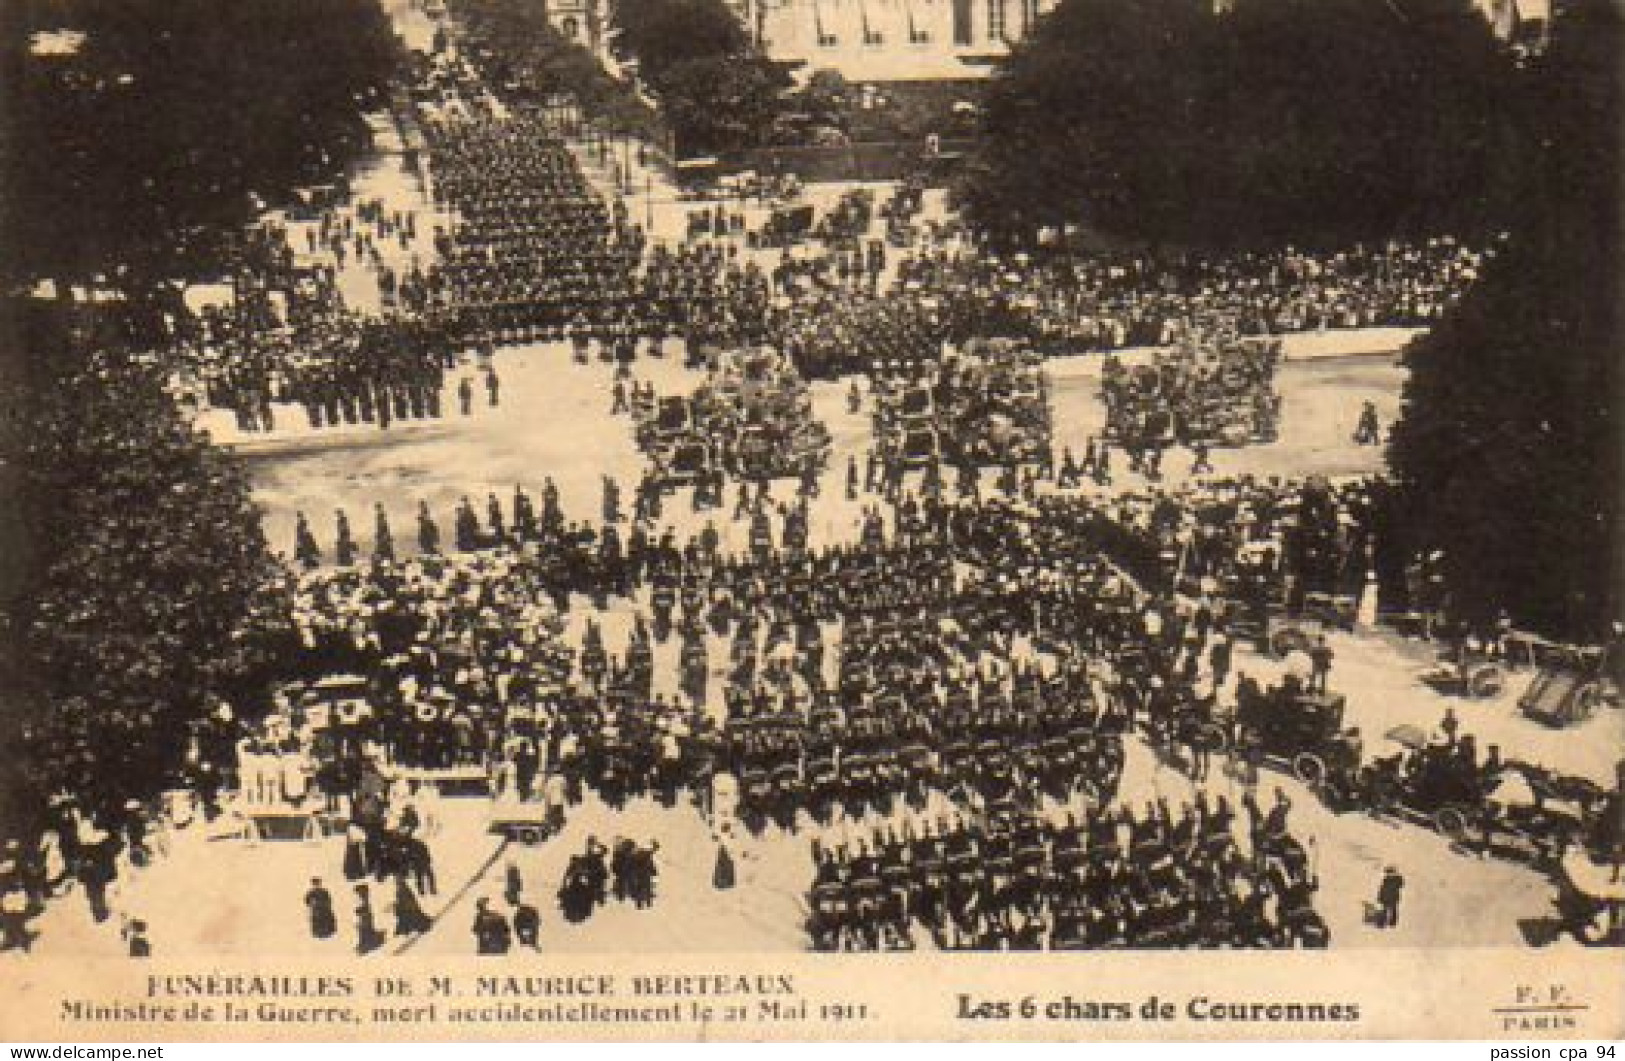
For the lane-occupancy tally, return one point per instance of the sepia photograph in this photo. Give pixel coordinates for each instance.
(811, 519)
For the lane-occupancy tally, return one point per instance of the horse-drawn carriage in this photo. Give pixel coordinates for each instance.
(671, 419)
(1518, 810)
(1137, 420)
(786, 226)
(984, 405)
(1212, 387)
(685, 463)
(1302, 731)
(1534, 813)
(919, 447)
(1281, 631)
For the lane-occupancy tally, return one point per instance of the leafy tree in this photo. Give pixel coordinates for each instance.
(146, 563)
(1308, 120)
(1360, 119)
(138, 133)
(1095, 118)
(826, 100)
(662, 34)
(719, 91)
(719, 104)
(517, 46)
(1508, 451)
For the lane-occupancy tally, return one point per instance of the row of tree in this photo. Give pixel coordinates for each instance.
(139, 138)
(718, 90)
(136, 563)
(1252, 122)
(519, 48)
(1508, 454)
(138, 134)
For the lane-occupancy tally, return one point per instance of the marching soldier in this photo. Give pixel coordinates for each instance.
(344, 547)
(306, 550)
(428, 531)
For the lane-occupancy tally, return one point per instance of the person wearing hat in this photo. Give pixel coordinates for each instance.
(306, 551)
(383, 541)
(136, 936)
(1450, 725)
(527, 924)
(319, 907)
(428, 530)
(1320, 662)
(410, 920)
(16, 905)
(368, 936)
(513, 884)
(344, 547)
(1368, 432)
(491, 932)
(1388, 893)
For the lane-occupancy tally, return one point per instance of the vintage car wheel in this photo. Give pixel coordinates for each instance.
(1451, 822)
(1586, 699)
(1309, 768)
(1485, 680)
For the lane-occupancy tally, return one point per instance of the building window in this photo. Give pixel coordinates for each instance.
(916, 35)
(962, 23)
(826, 39)
(872, 38)
(1029, 17)
(995, 21)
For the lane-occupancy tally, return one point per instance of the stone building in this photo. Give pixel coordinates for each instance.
(892, 40)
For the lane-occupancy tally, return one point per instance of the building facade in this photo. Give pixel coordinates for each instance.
(579, 20)
(892, 40)
(899, 40)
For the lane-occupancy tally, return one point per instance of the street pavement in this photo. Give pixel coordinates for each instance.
(227, 896)
(214, 894)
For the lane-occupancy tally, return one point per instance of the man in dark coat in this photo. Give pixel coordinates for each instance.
(1388, 893)
(491, 932)
(319, 905)
(527, 924)
(428, 531)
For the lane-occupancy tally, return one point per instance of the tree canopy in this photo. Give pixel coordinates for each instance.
(1508, 451)
(139, 139)
(136, 133)
(717, 88)
(518, 47)
(661, 34)
(1271, 120)
(143, 562)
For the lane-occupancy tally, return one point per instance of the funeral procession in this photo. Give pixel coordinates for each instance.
(698, 476)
